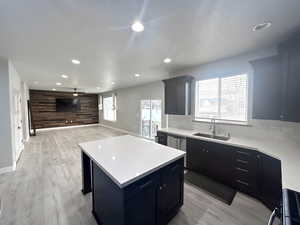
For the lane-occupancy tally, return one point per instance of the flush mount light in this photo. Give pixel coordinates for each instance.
(137, 26)
(75, 61)
(98, 88)
(58, 84)
(53, 89)
(262, 26)
(64, 76)
(167, 60)
(112, 82)
(35, 82)
(137, 75)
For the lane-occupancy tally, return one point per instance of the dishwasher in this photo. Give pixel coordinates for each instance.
(178, 143)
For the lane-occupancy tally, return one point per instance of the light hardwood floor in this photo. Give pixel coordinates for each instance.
(46, 188)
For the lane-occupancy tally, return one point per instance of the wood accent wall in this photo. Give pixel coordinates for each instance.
(44, 109)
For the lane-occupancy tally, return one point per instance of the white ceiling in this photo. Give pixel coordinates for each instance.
(42, 36)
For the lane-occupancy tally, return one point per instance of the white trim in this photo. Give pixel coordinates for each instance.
(7, 169)
(125, 131)
(67, 127)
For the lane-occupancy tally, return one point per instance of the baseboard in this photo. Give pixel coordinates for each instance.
(125, 131)
(7, 169)
(67, 127)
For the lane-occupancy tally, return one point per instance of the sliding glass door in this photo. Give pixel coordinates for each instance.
(150, 117)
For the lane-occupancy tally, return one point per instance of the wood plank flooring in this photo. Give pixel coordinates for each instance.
(46, 188)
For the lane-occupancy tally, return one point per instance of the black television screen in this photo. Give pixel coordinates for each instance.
(67, 104)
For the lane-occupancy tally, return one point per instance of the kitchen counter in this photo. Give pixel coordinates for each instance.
(126, 159)
(287, 152)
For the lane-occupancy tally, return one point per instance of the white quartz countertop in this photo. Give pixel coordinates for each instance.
(287, 151)
(126, 159)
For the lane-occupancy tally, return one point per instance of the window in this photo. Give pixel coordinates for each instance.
(109, 108)
(150, 117)
(222, 98)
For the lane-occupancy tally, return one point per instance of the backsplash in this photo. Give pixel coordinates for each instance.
(257, 129)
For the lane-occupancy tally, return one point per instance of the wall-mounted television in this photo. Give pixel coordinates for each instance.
(67, 105)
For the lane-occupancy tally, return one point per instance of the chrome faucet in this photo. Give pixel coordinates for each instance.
(213, 126)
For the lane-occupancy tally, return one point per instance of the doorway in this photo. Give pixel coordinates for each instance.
(150, 117)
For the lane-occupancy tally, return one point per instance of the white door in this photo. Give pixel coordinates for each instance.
(18, 125)
(150, 117)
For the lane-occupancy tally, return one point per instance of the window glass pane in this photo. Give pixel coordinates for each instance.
(145, 118)
(155, 116)
(234, 98)
(207, 97)
(109, 113)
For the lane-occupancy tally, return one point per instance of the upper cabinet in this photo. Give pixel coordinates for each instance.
(267, 88)
(276, 84)
(290, 53)
(178, 95)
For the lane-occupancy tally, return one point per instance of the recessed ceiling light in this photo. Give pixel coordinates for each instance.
(53, 89)
(35, 82)
(262, 26)
(137, 26)
(98, 88)
(112, 82)
(75, 61)
(64, 76)
(137, 75)
(58, 83)
(167, 60)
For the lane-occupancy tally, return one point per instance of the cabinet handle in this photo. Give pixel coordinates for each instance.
(243, 153)
(146, 184)
(243, 170)
(242, 182)
(242, 161)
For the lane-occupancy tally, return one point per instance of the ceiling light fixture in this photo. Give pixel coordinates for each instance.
(53, 89)
(262, 26)
(167, 60)
(137, 26)
(137, 75)
(98, 88)
(58, 83)
(64, 76)
(75, 61)
(35, 82)
(112, 82)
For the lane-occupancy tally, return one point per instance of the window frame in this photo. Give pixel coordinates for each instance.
(220, 120)
(113, 108)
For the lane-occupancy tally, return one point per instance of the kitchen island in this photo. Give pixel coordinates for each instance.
(133, 181)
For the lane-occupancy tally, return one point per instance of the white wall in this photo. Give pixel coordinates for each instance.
(236, 65)
(128, 103)
(10, 84)
(6, 157)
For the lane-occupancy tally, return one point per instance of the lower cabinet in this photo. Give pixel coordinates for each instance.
(156, 199)
(270, 181)
(137, 213)
(246, 170)
(162, 138)
(170, 197)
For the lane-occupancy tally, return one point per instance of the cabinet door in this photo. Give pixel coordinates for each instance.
(292, 98)
(220, 165)
(162, 138)
(171, 96)
(171, 191)
(267, 88)
(197, 156)
(181, 96)
(270, 186)
(141, 207)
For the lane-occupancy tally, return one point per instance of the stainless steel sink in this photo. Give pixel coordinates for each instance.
(222, 138)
